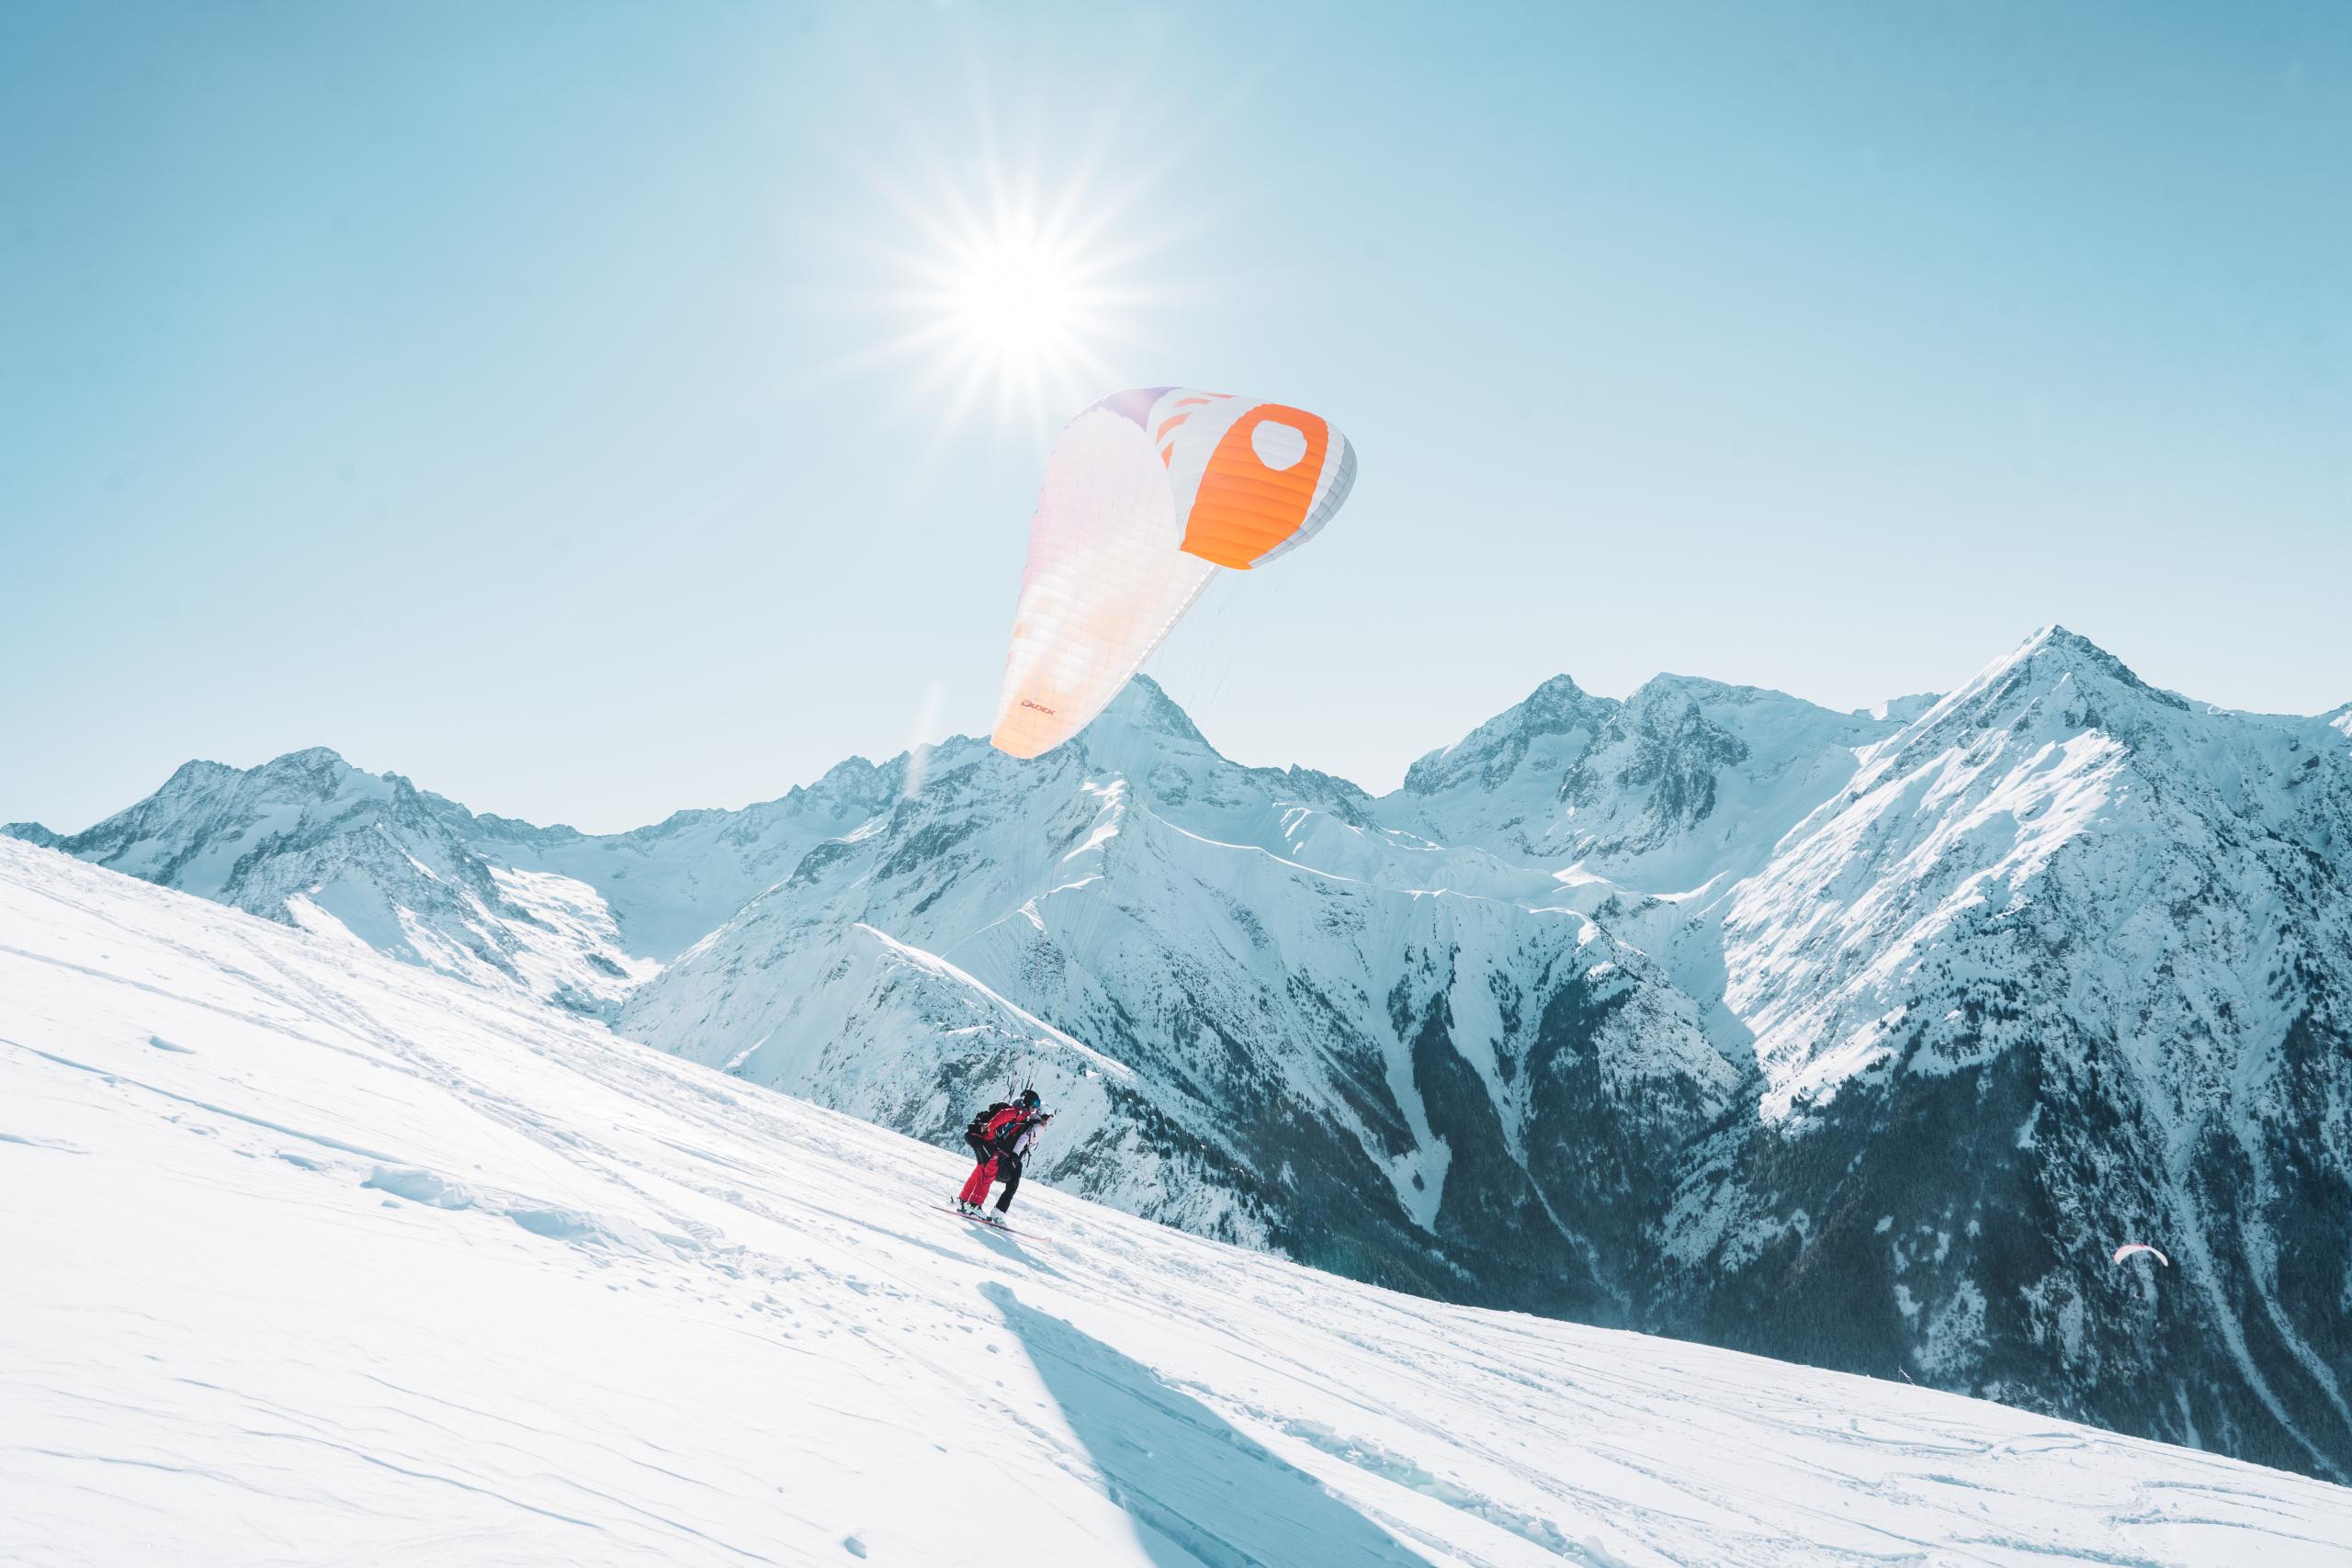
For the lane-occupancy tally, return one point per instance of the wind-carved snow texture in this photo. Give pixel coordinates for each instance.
(314, 1256)
(1858, 1039)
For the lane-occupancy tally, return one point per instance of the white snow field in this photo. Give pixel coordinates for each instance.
(312, 1256)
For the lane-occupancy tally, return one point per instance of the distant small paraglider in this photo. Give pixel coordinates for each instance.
(2128, 1248)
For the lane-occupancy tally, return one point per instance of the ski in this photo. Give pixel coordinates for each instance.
(981, 1219)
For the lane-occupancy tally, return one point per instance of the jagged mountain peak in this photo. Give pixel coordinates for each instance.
(1560, 688)
(1751, 713)
(313, 773)
(310, 759)
(1691, 778)
(315, 776)
(198, 773)
(852, 781)
(853, 769)
(1665, 688)
(31, 833)
(1316, 784)
(2056, 663)
(2059, 690)
(1596, 779)
(1559, 703)
(1500, 747)
(2082, 659)
(305, 791)
(1144, 707)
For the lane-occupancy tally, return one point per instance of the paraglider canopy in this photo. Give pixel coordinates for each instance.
(1147, 494)
(2128, 1248)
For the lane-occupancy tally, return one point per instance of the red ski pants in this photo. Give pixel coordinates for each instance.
(975, 1186)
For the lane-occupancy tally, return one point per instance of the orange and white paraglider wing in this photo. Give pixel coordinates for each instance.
(1105, 580)
(1148, 493)
(2129, 1248)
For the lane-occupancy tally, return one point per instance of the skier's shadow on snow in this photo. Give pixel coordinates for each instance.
(1003, 1241)
(1200, 1492)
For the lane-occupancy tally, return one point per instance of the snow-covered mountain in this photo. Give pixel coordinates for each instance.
(671, 885)
(1855, 1038)
(2067, 963)
(317, 1258)
(575, 918)
(2053, 963)
(1262, 1016)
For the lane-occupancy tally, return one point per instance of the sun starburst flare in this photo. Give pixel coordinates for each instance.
(1003, 300)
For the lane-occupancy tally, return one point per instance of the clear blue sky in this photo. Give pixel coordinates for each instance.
(530, 398)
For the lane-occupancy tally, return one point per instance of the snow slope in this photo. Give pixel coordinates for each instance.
(319, 1257)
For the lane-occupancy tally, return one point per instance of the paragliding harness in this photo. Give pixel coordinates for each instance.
(993, 1136)
(976, 1131)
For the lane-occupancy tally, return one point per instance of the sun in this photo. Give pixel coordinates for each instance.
(1013, 305)
(999, 295)
(1020, 301)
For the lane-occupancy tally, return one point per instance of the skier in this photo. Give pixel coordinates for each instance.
(999, 1137)
(980, 1134)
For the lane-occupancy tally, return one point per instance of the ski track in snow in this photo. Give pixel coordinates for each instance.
(317, 1258)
